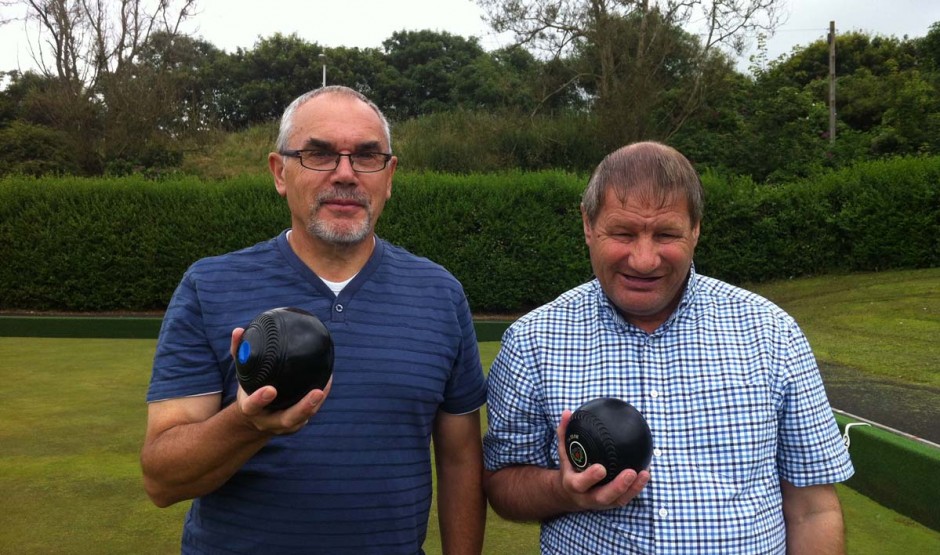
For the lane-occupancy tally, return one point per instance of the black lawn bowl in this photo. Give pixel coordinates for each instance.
(610, 432)
(287, 348)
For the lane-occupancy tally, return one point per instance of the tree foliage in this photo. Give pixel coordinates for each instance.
(122, 90)
(646, 74)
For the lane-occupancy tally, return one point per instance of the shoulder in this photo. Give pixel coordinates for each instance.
(408, 266)
(572, 310)
(257, 257)
(724, 299)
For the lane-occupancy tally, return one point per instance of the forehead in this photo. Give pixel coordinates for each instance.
(646, 201)
(343, 121)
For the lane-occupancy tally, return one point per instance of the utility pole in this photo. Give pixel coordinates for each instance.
(832, 82)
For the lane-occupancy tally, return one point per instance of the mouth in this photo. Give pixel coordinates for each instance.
(640, 282)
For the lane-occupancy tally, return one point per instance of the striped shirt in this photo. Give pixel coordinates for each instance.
(732, 394)
(357, 478)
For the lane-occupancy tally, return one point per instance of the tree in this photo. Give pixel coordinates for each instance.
(96, 92)
(261, 81)
(929, 47)
(79, 41)
(887, 92)
(632, 50)
(423, 66)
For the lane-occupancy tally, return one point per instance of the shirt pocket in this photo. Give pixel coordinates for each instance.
(731, 430)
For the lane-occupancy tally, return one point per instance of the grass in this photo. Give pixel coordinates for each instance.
(226, 155)
(72, 417)
(885, 324)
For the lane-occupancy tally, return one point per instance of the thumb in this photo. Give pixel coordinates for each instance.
(254, 404)
(562, 447)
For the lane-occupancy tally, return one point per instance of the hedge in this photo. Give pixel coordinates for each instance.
(513, 239)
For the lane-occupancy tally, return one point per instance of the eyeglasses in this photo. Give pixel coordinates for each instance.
(326, 161)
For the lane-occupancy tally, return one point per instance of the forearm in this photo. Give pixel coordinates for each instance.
(814, 519)
(461, 508)
(527, 493)
(189, 460)
(818, 534)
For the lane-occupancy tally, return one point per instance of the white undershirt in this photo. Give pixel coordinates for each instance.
(335, 286)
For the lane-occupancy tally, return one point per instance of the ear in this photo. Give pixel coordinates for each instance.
(392, 166)
(695, 233)
(277, 167)
(586, 223)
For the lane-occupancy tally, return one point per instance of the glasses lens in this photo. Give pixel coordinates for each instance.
(319, 159)
(324, 160)
(368, 161)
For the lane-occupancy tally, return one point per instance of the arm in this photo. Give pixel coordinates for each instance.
(192, 447)
(458, 455)
(535, 493)
(814, 519)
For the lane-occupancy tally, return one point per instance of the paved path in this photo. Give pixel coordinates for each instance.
(913, 409)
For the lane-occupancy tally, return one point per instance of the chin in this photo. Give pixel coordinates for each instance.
(340, 235)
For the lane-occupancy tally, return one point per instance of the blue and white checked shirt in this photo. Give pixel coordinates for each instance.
(732, 394)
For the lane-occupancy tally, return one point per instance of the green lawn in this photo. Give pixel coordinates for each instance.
(72, 418)
(885, 324)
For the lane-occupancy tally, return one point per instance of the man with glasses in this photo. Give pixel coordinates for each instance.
(346, 469)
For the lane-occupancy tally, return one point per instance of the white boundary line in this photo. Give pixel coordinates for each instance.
(888, 428)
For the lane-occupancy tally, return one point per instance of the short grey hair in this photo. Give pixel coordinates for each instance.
(287, 119)
(658, 171)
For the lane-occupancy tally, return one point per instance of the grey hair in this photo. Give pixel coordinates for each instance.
(659, 172)
(287, 119)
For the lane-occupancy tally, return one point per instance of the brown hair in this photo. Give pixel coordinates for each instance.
(657, 171)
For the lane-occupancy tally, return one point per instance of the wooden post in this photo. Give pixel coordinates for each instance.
(832, 82)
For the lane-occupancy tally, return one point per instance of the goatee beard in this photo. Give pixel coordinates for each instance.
(340, 233)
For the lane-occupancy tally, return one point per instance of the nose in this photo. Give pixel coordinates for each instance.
(344, 172)
(645, 256)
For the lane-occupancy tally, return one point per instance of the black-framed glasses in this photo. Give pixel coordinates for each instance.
(327, 161)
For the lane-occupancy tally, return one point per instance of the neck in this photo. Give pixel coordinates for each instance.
(331, 261)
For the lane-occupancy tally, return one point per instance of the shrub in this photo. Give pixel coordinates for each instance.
(35, 150)
(513, 239)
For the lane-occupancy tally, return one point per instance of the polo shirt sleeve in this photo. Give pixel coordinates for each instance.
(466, 388)
(185, 364)
(518, 431)
(811, 450)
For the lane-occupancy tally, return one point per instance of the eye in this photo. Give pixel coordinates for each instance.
(365, 156)
(321, 155)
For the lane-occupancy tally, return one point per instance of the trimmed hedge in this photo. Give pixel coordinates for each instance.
(513, 239)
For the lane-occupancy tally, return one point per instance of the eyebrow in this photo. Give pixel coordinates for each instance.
(368, 146)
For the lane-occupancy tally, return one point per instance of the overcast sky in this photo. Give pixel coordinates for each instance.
(229, 24)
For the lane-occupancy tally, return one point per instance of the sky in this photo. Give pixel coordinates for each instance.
(229, 24)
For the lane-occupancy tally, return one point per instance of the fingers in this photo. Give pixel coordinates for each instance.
(622, 489)
(636, 485)
(286, 421)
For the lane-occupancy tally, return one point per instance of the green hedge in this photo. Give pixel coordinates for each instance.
(513, 239)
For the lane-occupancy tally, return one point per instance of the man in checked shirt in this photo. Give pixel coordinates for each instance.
(746, 446)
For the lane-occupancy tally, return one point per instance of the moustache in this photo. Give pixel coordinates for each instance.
(345, 195)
